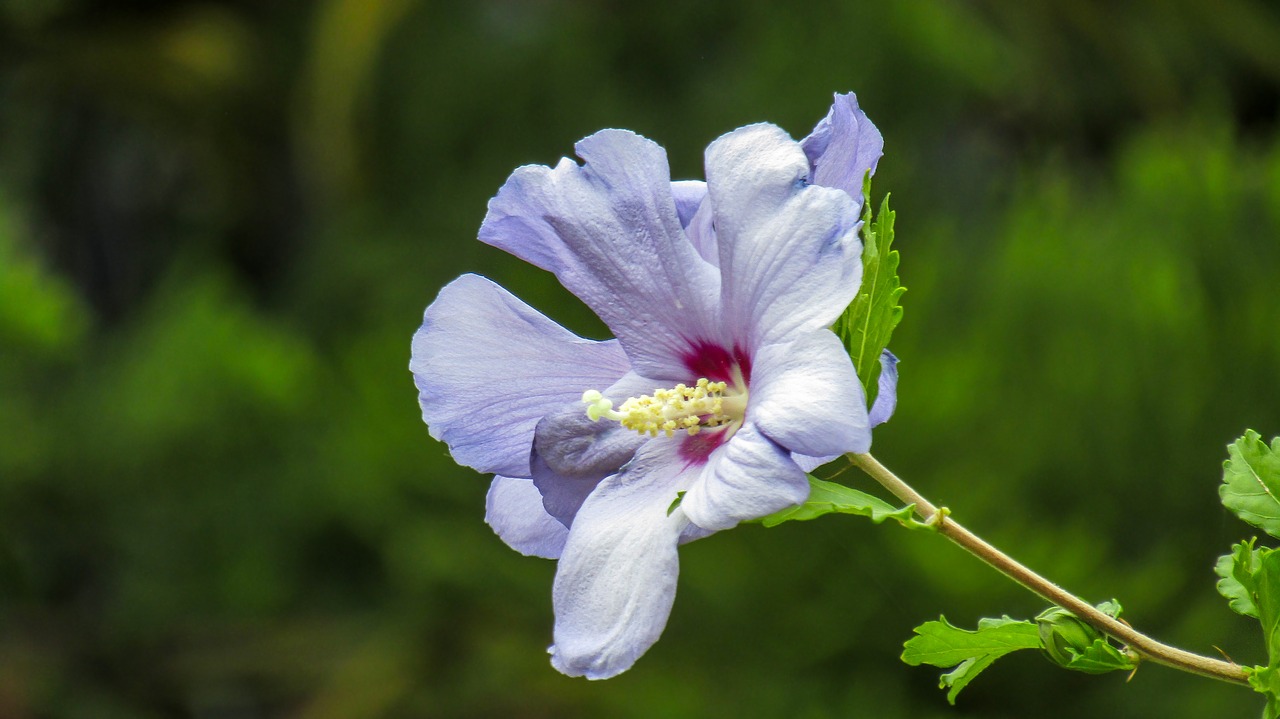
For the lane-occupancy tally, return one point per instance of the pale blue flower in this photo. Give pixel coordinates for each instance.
(724, 384)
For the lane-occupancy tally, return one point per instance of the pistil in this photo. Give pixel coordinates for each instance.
(705, 405)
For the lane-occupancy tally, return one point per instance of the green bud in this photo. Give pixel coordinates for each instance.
(1072, 644)
(1063, 637)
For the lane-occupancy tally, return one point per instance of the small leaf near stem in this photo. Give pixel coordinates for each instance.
(1266, 681)
(1141, 644)
(1236, 570)
(829, 497)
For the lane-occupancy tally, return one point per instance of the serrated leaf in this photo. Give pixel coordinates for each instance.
(1111, 608)
(1257, 572)
(1243, 561)
(869, 321)
(1101, 657)
(829, 497)
(1251, 482)
(1266, 681)
(941, 644)
(1263, 585)
(965, 672)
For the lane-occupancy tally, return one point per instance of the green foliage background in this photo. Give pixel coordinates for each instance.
(220, 223)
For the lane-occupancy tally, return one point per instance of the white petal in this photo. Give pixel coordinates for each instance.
(696, 216)
(514, 510)
(747, 478)
(616, 580)
(808, 464)
(806, 397)
(610, 232)
(488, 367)
(789, 252)
(572, 452)
(688, 195)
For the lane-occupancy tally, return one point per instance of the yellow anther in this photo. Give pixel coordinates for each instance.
(667, 411)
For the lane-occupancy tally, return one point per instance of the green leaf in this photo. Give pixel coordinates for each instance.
(1242, 562)
(1251, 482)
(1255, 577)
(868, 322)
(1111, 608)
(828, 497)
(941, 644)
(1262, 582)
(675, 503)
(965, 672)
(1101, 657)
(1249, 576)
(1266, 681)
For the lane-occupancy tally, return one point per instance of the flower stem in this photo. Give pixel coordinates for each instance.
(1143, 645)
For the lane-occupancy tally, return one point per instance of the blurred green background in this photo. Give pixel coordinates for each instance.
(220, 223)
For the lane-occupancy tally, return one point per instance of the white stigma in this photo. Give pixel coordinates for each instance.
(704, 405)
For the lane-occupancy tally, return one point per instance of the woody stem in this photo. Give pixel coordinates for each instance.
(1143, 645)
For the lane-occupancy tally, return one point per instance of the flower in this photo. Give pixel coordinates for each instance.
(723, 387)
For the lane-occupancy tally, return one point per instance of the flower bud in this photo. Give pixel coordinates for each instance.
(1063, 637)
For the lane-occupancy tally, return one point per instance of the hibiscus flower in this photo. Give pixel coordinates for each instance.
(724, 384)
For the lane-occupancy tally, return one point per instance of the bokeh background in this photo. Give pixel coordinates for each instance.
(220, 223)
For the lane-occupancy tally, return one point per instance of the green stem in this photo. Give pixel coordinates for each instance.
(1143, 645)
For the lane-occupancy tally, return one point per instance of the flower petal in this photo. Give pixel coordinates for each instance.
(616, 580)
(887, 392)
(561, 495)
(514, 510)
(572, 452)
(843, 147)
(749, 477)
(574, 445)
(488, 367)
(806, 397)
(610, 232)
(695, 216)
(808, 464)
(789, 252)
(688, 195)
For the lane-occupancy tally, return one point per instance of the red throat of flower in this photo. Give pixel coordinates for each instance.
(705, 359)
